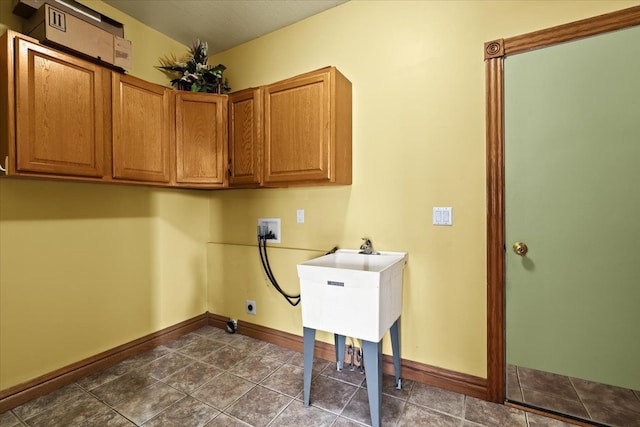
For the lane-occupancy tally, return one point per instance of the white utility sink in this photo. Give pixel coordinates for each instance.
(352, 294)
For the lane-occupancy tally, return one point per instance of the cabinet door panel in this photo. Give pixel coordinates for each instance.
(201, 138)
(297, 133)
(60, 123)
(141, 129)
(245, 133)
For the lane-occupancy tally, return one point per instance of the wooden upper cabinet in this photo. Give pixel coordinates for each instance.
(307, 129)
(73, 119)
(201, 139)
(141, 126)
(245, 138)
(59, 112)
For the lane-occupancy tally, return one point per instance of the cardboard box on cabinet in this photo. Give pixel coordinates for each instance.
(57, 27)
(26, 9)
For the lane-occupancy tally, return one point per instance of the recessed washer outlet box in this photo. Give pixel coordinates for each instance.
(272, 226)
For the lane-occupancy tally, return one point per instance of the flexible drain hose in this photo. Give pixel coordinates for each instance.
(262, 247)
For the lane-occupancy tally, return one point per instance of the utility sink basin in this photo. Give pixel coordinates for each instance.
(352, 294)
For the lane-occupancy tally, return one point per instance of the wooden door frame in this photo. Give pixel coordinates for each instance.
(494, 54)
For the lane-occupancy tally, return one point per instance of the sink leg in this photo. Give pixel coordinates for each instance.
(309, 337)
(339, 341)
(395, 347)
(373, 372)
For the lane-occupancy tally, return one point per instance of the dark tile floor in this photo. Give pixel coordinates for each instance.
(588, 400)
(211, 378)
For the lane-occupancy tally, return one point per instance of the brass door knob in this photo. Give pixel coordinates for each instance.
(520, 248)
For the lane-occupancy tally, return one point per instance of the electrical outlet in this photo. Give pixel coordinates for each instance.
(270, 227)
(251, 307)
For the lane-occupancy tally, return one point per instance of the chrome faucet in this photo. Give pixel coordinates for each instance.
(367, 247)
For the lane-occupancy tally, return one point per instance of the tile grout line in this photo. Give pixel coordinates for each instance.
(25, 421)
(580, 399)
(281, 411)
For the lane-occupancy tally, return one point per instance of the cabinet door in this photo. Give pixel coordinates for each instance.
(245, 138)
(201, 138)
(297, 129)
(59, 112)
(141, 119)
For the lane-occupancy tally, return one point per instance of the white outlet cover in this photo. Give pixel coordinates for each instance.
(300, 216)
(253, 307)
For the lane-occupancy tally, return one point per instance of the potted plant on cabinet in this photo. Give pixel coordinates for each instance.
(193, 73)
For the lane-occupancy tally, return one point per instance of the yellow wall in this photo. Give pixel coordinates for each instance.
(87, 267)
(7, 19)
(418, 141)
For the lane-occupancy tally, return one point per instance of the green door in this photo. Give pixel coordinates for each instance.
(572, 195)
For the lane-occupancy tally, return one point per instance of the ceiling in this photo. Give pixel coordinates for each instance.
(223, 24)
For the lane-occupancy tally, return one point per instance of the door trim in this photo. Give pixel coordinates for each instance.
(495, 52)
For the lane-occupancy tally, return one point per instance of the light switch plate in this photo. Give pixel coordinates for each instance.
(443, 216)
